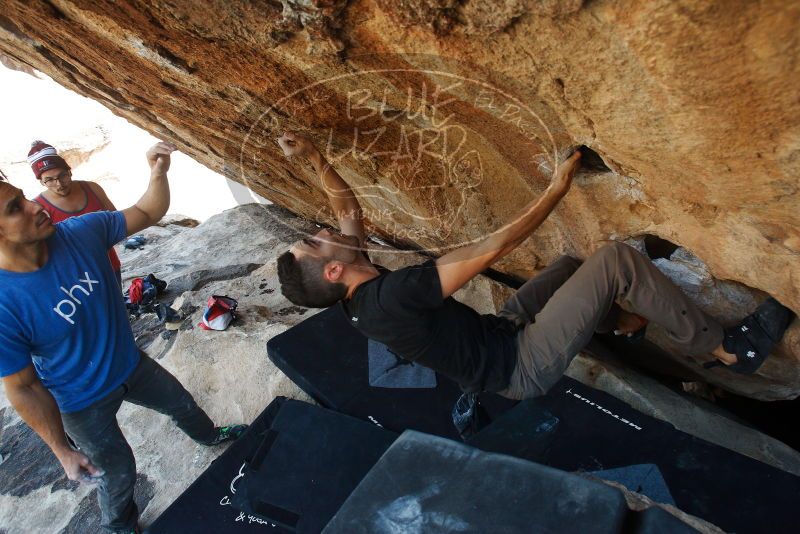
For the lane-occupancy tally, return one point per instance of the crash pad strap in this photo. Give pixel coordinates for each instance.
(280, 515)
(263, 449)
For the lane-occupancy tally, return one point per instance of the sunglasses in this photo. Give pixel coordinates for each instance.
(62, 176)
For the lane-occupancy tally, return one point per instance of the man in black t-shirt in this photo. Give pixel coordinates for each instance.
(522, 351)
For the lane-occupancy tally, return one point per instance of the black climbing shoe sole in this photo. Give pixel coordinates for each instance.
(756, 335)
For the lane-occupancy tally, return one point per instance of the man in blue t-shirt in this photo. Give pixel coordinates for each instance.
(69, 358)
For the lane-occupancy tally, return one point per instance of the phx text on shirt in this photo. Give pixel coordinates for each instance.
(73, 294)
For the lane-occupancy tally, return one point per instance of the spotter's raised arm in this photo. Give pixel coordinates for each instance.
(154, 203)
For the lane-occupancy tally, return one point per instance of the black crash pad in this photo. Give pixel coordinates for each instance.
(327, 358)
(655, 520)
(205, 506)
(309, 461)
(429, 484)
(577, 428)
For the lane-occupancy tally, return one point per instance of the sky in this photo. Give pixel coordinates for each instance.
(37, 108)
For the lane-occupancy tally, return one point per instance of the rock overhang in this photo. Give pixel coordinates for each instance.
(448, 116)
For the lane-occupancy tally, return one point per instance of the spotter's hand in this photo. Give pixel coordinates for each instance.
(158, 157)
(78, 467)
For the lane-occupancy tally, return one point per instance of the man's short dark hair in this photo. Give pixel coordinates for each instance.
(303, 282)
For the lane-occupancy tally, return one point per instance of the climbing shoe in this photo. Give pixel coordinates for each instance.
(226, 433)
(754, 338)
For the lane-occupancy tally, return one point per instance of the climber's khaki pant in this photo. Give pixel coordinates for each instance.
(565, 304)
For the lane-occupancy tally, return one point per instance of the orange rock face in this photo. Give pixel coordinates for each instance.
(448, 115)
